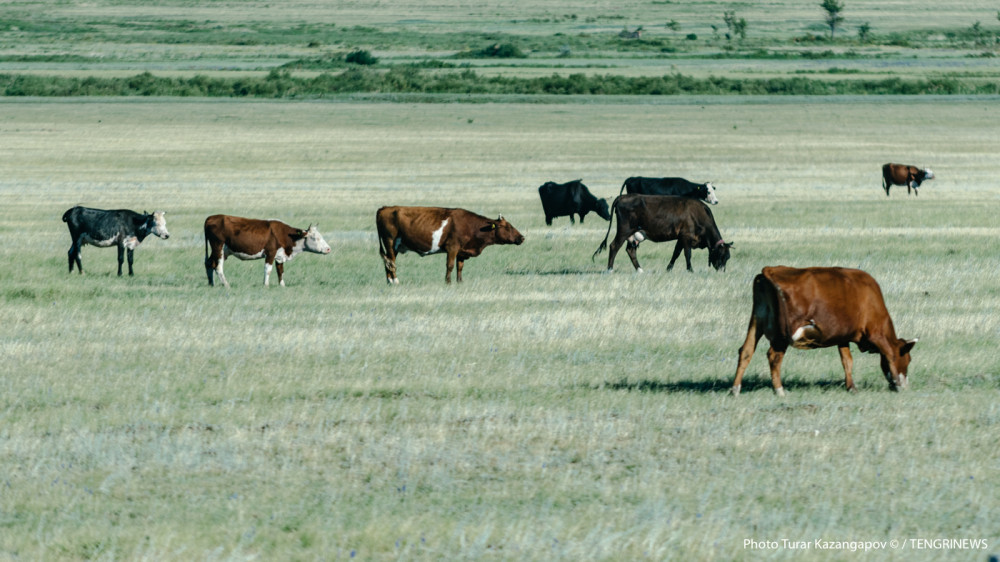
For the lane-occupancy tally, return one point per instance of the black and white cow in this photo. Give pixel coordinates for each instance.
(678, 187)
(561, 199)
(123, 228)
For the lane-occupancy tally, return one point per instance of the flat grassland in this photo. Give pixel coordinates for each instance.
(540, 410)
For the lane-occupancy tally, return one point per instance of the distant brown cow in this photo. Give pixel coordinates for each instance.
(661, 218)
(902, 174)
(252, 239)
(822, 307)
(432, 230)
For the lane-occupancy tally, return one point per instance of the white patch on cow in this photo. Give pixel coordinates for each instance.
(638, 270)
(282, 257)
(799, 333)
(436, 238)
(711, 194)
(132, 242)
(314, 242)
(86, 239)
(227, 251)
(928, 174)
(160, 225)
(637, 237)
(267, 274)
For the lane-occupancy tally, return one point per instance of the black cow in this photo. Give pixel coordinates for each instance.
(679, 187)
(124, 228)
(561, 199)
(661, 218)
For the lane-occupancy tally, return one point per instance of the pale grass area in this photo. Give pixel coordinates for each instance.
(541, 410)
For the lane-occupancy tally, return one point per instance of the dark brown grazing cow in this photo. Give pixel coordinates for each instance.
(252, 239)
(432, 230)
(822, 307)
(901, 174)
(661, 218)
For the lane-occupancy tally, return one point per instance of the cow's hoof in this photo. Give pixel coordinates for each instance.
(779, 391)
(735, 390)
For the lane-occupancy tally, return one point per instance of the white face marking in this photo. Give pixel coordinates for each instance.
(711, 194)
(928, 174)
(314, 242)
(160, 226)
(436, 238)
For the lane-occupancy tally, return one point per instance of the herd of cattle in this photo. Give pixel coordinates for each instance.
(802, 308)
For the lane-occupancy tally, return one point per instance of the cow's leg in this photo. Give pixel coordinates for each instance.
(388, 252)
(131, 257)
(677, 252)
(74, 256)
(450, 265)
(774, 358)
(571, 219)
(581, 218)
(548, 220)
(268, 265)
(280, 267)
(745, 354)
(458, 269)
(616, 245)
(886, 185)
(219, 270)
(630, 248)
(121, 258)
(687, 255)
(848, 362)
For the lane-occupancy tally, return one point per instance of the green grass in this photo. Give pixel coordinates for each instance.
(540, 410)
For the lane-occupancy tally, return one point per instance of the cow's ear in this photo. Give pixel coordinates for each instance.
(907, 346)
(490, 227)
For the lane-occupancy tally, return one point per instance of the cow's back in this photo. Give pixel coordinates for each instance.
(842, 302)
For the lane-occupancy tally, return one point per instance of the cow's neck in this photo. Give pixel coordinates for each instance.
(284, 254)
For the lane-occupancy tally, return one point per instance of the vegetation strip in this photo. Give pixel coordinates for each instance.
(408, 79)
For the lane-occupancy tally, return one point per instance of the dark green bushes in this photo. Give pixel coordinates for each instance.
(280, 83)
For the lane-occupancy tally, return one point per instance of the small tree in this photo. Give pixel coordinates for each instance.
(864, 30)
(833, 17)
(736, 26)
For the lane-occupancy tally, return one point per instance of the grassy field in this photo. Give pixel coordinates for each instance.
(540, 410)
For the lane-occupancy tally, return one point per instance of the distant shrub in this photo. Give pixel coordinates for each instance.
(361, 57)
(692, 37)
(499, 51)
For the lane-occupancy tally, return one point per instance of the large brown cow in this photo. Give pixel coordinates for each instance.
(822, 307)
(432, 230)
(252, 239)
(661, 218)
(902, 174)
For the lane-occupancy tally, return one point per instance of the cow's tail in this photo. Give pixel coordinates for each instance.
(622, 190)
(604, 244)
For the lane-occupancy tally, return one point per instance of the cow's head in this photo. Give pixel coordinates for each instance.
(314, 241)
(155, 224)
(927, 173)
(503, 232)
(602, 210)
(718, 255)
(707, 194)
(902, 363)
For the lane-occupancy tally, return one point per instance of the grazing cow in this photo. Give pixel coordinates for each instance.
(661, 218)
(561, 199)
(822, 307)
(252, 239)
(432, 230)
(124, 228)
(671, 186)
(901, 174)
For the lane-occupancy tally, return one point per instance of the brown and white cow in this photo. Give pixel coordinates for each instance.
(822, 307)
(661, 218)
(902, 174)
(252, 239)
(431, 230)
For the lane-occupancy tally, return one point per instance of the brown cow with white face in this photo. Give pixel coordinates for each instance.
(431, 230)
(252, 239)
(822, 307)
(902, 174)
